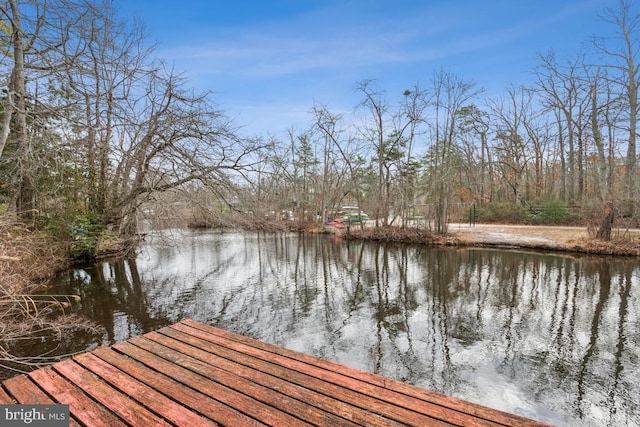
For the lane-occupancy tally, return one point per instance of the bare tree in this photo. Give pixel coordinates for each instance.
(603, 115)
(37, 30)
(15, 105)
(474, 125)
(604, 232)
(390, 132)
(539, 135)
(413, 109)
(139, 127)
(450, 95)
(512, 153)
(104, 60)
(344, 158)
(374, 132)
(621, 56)
(171, 137)
(563, 91)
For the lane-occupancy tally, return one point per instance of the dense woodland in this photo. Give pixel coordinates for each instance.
(99, 135)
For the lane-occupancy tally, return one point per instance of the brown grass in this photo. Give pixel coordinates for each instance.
(27, 260)
(616, 247)
(400, 235)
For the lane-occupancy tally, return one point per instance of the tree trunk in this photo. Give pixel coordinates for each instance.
(7, 112)
(25, 206)
(604, 187)
(604, 230)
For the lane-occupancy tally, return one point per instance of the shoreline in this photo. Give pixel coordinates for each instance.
(561, 239)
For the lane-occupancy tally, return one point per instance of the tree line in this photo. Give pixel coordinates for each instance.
(97, 133)
(565, 141)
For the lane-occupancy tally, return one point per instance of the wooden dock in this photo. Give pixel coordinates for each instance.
(192, 374)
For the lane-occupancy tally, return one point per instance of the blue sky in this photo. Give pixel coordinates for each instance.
(269, 61)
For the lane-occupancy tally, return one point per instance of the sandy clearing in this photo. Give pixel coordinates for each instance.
(550, 236)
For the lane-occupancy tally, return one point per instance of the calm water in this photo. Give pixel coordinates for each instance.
(555, 338)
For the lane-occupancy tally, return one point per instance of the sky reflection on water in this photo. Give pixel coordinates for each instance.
(554, 338)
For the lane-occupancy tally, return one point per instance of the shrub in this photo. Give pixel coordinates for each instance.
(82, 231)
(552, 212)
(504, 212)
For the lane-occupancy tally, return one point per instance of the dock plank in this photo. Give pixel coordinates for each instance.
(145, 395)
(228, 396)
(5, 399)
(318, 406)
(493, 416)
(190, 374)
(279, 396)
(352, 391)
(24, 390)
(352, 399)
(81, 407)
(118, 403)
(192, 399)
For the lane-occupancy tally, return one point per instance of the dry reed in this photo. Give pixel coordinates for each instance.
(27, 260)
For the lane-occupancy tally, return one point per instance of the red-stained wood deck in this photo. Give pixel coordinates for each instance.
(191, 374)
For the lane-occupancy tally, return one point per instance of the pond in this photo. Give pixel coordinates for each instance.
(548, 336)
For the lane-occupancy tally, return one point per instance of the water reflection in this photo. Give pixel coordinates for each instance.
(549, 337)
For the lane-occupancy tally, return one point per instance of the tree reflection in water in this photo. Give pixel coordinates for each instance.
(551, 337)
